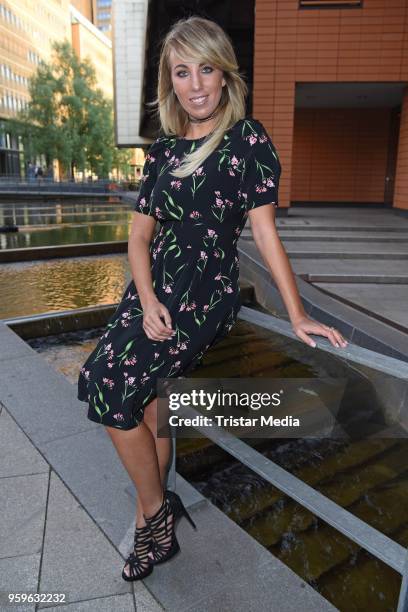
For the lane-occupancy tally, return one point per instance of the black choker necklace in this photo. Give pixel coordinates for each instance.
(203, 119)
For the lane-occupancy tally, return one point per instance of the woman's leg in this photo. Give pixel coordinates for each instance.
(137, 450)
(163, 445)
(145, 457)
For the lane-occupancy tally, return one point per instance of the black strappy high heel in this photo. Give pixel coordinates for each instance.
(139, 557)
(162, 526)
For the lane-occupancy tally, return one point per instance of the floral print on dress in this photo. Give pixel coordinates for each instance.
(194, 266)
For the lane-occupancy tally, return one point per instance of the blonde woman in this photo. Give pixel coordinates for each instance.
(209, 170)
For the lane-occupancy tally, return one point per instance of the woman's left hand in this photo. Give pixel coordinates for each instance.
(304, 326)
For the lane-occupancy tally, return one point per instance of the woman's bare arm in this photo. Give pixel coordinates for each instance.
(141, 234)
(140, 237)
(274, 255)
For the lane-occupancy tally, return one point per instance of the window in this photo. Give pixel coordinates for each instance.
(319, 4)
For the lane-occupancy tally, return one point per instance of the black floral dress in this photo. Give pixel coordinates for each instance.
(194, 264)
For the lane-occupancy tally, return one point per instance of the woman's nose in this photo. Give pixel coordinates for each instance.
(196, 81)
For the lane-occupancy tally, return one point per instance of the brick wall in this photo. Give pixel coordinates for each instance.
(316, 146)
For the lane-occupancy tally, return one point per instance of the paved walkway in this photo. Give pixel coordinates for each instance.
(68, 508)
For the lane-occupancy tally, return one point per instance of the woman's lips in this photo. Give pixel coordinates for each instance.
(199, 101)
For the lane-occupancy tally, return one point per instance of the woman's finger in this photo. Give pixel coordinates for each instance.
(303, 336)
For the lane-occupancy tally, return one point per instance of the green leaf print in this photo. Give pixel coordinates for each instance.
(157, 367)
(101, 398)
(261, 167)
(173, 208)
(197, 320)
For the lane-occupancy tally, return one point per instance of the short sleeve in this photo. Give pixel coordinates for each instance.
(144, 201)
(262, 169)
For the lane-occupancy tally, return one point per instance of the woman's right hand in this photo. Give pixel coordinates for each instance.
(153, 313)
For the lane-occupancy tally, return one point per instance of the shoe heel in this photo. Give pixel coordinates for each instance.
(188, 517)
(179, 508)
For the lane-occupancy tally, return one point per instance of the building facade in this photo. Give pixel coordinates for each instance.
(27, 30)
(330, 86)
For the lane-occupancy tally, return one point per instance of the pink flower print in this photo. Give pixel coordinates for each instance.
(189, 246)
(217, 193)
(125, 314)
(263, 138)
(191, 306)
(228, 289)
(158, 212)
(252, 139)
(216, 253)
(218, 277)
(205, 307)
(167, 288)
(270, 183)
(142, 202)
(177, 363)
(174, 160)
(167, 152)
(125, 374)
(118, 416)
(244, 195)
(231, 172)
(108, 382)
(195, 214)
(131, 380)
(182, 307)
(237, 231)
(144, 378)
(198, 172)
(230, 204)
(110, 365)
(183, 346)
(203, 255)
(150, 157)
(219, 202)
(173, 351)
(131, 361)
(85, 373)
(211, 232)
(260, 188)
(176, 184)
(108, 346)
(234, 161)
(156, 355)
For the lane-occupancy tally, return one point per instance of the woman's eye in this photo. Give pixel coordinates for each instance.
(182, 72)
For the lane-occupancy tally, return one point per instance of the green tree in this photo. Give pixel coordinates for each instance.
(68, 118)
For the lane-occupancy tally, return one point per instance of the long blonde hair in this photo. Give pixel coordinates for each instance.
(202, 40)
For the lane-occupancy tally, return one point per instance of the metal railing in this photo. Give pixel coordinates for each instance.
(369, 538)
(18, 184)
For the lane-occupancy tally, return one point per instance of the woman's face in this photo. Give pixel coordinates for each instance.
(198, 87)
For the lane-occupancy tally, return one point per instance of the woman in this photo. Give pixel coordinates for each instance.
(211, 169)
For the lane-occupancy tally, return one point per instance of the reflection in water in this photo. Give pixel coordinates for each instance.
(367, 477)
(63, 223)
(53, 285)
